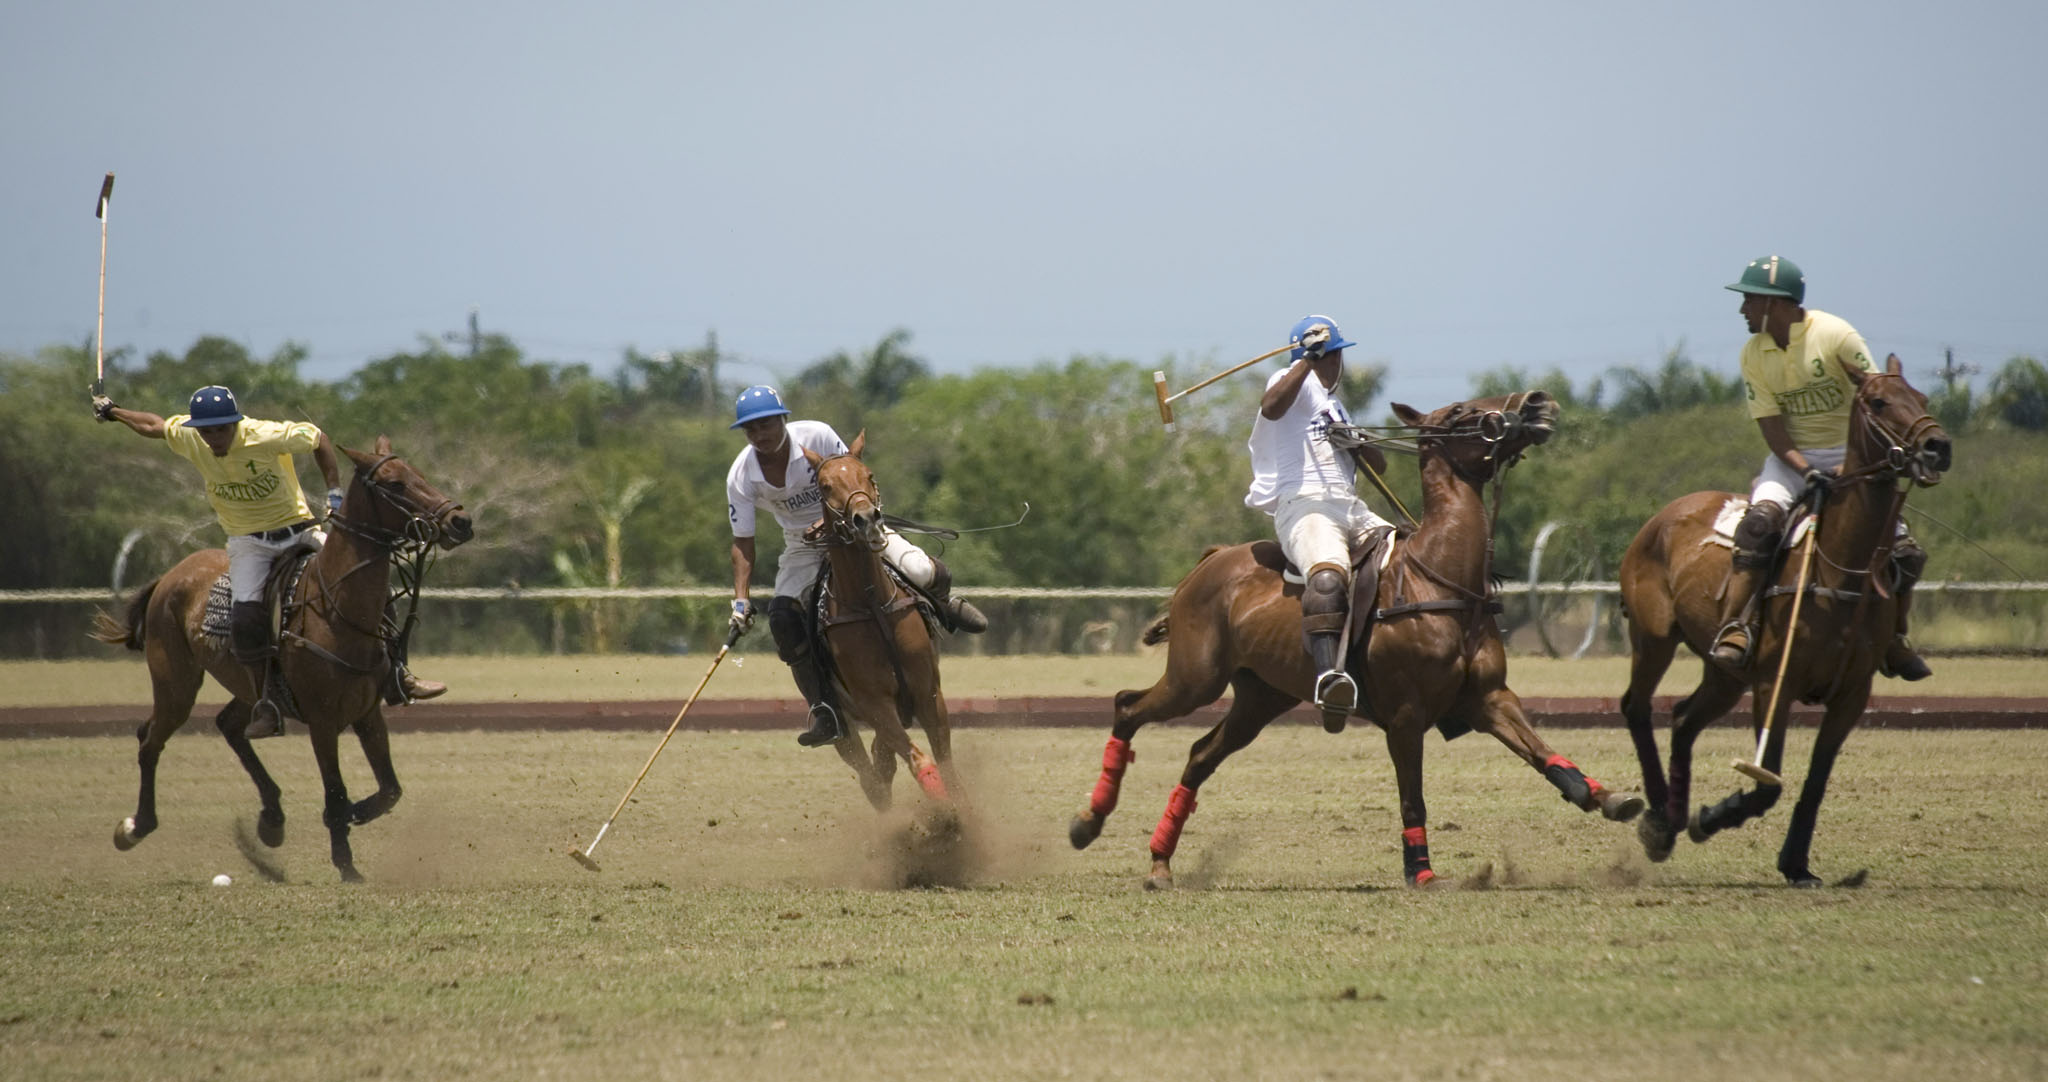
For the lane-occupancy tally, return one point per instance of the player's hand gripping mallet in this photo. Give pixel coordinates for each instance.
(1313, 342)
(99, 336)
(582, 856)
(1755, 770)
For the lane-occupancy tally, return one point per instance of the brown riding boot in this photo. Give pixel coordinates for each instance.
(1738, 612)
(416, 688)
(958, 614)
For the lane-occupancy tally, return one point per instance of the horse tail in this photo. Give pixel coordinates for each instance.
(126, 632)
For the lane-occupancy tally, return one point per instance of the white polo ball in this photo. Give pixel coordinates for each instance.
(221, 880)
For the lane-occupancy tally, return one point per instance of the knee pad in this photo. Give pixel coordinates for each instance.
(1756, 536)
(1322, 602)
(249, 631)
(786, 626)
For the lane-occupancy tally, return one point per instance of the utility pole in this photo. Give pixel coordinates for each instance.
(711, 372)
(1951, 371)
(476, 336)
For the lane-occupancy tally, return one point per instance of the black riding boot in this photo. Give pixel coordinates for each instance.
(826, 726)
(249, 641)
(1900, 659)
(958, 614)
(1756, 540)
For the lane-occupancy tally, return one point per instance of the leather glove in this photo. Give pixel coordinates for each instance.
(742, 615)
(102, 408)
(334, 501)
(1819, 482)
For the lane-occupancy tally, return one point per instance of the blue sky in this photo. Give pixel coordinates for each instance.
(1461, 185)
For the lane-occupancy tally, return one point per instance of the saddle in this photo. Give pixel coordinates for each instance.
(280, 592)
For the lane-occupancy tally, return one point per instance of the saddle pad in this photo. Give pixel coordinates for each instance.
(1731, 514)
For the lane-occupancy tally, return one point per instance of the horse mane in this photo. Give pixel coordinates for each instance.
(126, 632)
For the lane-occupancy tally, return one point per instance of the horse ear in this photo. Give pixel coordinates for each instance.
(1405, 414)
(859, 444)
(383, 444)
(814, 458)
(360, 458)
(1858, 375)
(1892, 365)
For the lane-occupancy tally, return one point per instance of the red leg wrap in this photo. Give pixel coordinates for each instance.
(1115, 756)
(1559, 760)
(929, 780)
(1415, 855)
(1166, 836)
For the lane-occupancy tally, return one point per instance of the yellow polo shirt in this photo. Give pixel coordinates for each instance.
(254, 487)
(1802, 382)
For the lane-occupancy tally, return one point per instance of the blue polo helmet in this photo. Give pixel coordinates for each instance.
(212, 406)
(755, 403)
(1309, 323)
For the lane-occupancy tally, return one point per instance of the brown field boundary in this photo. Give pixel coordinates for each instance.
(1086, 712)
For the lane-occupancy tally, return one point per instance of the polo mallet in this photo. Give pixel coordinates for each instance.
(582, 856)
(1313, 342)
(1755, 770)
(99, 337)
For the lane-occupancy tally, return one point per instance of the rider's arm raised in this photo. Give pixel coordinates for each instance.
(1279, 397)
(143, 424)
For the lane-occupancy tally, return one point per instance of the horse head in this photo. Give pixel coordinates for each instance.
(1891, 425)
(1481, 436)
(853, 502)
(398, 504)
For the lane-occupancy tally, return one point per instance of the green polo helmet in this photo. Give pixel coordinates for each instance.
(1773, 277)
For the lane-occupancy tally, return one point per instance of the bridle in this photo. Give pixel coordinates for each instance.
(422, 527)
(842, 525)
(1895, 456)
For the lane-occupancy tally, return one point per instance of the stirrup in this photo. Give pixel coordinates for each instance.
(265, 720)
(1336, 694)
(1731, 650)
(826, 728)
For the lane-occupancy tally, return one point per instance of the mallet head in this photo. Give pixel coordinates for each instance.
(1165, 403)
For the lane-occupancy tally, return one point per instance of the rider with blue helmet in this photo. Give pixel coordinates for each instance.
(1305, 483)
(771, 474)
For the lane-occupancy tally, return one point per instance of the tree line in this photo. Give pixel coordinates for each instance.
(579, 477)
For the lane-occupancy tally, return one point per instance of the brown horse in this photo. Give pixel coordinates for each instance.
(1435, 655)
(332, 653)
(1671, 580)
(880, 646)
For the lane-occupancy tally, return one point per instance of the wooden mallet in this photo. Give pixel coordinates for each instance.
(1755, 770)
(1317, 337)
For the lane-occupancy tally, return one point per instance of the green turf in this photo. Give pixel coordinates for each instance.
(744, 925)
(123, 678)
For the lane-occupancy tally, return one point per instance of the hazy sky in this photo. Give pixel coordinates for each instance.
(1461, 185)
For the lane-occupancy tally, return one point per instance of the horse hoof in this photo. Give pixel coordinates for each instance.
(1084, 829)
(270, 829)
(350, 875)
(125, 836)
(1159, 882)
(1657, 837)
(1696, 829)
(1423, 880)
(1621, 807)
(1804, 880)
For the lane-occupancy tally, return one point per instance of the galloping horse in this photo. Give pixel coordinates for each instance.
(1436, 654)
(1671, 579)
(332, 652)
(879, 644)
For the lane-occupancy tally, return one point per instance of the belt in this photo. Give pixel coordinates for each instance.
(284, 533)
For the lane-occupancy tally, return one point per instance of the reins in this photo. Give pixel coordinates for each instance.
(411, 551)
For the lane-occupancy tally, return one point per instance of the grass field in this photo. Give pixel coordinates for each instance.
(745, 927)
(756, 673)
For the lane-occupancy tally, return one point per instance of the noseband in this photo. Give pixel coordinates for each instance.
(1896, 455)
(840, 527)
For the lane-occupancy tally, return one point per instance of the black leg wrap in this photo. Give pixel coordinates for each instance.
(1734, 810)
(1414, 860)
(1570, 782)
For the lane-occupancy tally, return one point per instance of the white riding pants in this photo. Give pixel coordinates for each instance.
(798, 567)
(1320, 529)
(250, 559)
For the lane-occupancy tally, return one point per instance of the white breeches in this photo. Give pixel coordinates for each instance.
(798, 567)
(1316, 530)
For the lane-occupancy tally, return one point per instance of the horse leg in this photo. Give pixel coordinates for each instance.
(375, 739)
(938, 730)
(336, 812)
(1255, 703)
(874, 782)
(233, 723)
(1181, 690)
(173, 688)
(1404, 746)
(1716, 693)
(1742, 805)
(1842, 715)
(1502, 715)
(1649, 659)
